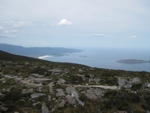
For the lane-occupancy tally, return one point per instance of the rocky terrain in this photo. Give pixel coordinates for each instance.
(45, 87)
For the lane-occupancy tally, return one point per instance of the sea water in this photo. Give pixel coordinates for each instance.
(107, 58)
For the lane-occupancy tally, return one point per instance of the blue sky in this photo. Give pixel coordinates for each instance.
(75, 23)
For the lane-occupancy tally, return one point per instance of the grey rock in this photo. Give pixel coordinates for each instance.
(36, 75)
(122, 82)
(3, 82)
(135, 80)
(96, 80)
(147, 111)
(49, 97)
(1, 94)
(80, 70)
(18, 79)
(44, 108)
(26, 63)
(8, 76)
(37, 95)
(40, 80)
(146, 85)
(76, 96)
(70, 99)
(24, 91)
(62, 103)
(53, 99)
(60, 92)
(37, 103)
(61, 81)
(51, 87)
(55, 71)
(91, 94)
(70, 89)
(16, 112)
(98, 92)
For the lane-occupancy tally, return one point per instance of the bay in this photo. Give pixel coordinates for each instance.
(107, 58)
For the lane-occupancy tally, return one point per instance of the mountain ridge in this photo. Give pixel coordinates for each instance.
(36, 51)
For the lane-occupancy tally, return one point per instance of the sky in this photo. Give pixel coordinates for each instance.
(75, 23)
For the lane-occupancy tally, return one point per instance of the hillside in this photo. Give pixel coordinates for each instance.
(11, 57)
(36, 86)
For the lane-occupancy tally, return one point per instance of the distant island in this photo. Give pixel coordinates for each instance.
(133, 61)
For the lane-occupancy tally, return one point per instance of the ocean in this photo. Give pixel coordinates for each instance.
(106, 58)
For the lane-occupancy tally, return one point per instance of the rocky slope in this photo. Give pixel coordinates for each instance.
(44, 87)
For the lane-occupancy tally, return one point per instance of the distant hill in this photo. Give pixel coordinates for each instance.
(12, 57)
(36, 51)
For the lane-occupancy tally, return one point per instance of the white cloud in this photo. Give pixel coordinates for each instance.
(64, 22)
(10, 28)
(134, 36)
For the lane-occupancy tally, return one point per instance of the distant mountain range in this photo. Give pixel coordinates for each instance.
(36, 51)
